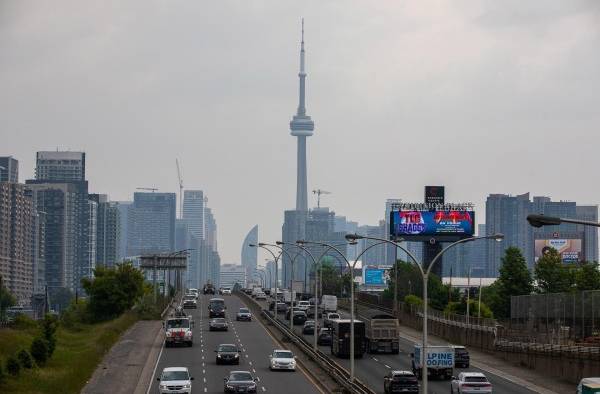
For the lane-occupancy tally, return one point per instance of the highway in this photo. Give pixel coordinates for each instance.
(373, 367)
(251, 337)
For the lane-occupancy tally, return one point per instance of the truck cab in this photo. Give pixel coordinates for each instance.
(178, 330)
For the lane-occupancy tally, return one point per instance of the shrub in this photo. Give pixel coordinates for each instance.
(25, 359)
(12, 366)
(413, 300)
(2, 374)
(39, 350)
(23, 322)
(49, 326)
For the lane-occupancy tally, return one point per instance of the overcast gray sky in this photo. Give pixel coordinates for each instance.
(480, 96)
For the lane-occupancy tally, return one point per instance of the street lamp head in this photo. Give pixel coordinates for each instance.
(542, 220)
(261, 244)
(352, 243)
(498, 237)
(252, 245)
(279, 243)
(300, 242)
(353, 237)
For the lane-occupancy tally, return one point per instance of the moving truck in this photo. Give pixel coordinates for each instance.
(382, 332)
(328, 303)
(439, 361)
(340, 338)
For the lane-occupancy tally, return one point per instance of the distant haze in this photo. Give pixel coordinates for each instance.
(480, 96)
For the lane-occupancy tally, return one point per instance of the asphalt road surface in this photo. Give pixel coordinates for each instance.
(373, 367)
(251, 337)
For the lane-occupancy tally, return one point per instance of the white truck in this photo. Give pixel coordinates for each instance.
(288, 296)
(328, 303)
(256, 290)
(440, 361)
(178, 330)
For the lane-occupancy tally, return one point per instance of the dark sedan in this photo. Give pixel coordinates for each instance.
(227, 354)
(324, 337)
(299, 318)
(218, 324)
(240, 382)
(400, 382)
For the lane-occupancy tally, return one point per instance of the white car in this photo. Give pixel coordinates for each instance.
(175, 380)
(470, 383)
(261, 296)
(226, 291)
(303, 306)
(282, 359)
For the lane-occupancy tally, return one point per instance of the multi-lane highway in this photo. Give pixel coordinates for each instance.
(251, 337)
(373, 367)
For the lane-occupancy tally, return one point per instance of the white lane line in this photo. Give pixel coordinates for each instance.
(246, 356)
(387, 366)
(257, 379)
(156, 366)
(205, 390)
(204, 380)
(375, 359)
(203, 365)
(204, 371)
(249, 362)
(263, 388)
(202, 357)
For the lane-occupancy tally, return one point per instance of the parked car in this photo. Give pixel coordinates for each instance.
(400, 382)
(470, 383)
(309, 327)
(329, 317)
(299, 318)
(243, 315)
(324, 337)
(283, 360)
(227, 354)
(175, 379)
(461, 357)
(240, 382)
(218, 324)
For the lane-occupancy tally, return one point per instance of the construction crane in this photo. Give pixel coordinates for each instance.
(146, 188)
(318, 192)
(180, 190)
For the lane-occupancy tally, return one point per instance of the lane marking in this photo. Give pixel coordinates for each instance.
(375, 359)
(387, 366)
(155, 366)
(204, 371)
(204, 380)
(263, 388)
(253, 370)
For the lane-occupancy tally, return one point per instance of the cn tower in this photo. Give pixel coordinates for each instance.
(302, 126)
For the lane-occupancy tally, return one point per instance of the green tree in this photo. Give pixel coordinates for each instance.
(410, 282)
(6, 298)
(551, 274)
(12, 366)
(25, 359)
(587, 277)
(49, 326)
(514, 280)
(113, 290)
(39, 350)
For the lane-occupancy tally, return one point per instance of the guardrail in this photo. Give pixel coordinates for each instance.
(335, 370)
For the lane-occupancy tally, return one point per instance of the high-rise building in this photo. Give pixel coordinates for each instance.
(232, 274)
(250, 254)
(193, 211)
(107, 230)
(58, 204)
(60, 166)
(590, 234)
(9, 169)
(151, 223)
(270, 267)
(123, 208)
(210, 229)
(18, 234)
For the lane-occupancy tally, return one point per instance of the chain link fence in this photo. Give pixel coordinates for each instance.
(558, 318)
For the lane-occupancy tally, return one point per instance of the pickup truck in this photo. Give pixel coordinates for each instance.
(178, 330)
(440, 361)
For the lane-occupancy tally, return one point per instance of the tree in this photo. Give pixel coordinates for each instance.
(514, 280)
(39, 350)
(113, 290)
(6, 298)
(587, 277)
(551, 275)
(410, 282)
(25, 359)
(12, 366)
(49, 326)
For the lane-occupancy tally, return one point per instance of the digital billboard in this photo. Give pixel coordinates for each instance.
(405, 223)
(374, 277)
(570, 250)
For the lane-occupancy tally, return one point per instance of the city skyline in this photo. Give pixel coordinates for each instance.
(487, 102)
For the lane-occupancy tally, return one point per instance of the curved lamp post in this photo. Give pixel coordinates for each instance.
(425, 275)
(275, 259)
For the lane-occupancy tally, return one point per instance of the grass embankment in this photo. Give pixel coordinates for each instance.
(78, 353)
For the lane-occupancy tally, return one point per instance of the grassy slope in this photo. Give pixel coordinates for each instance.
(77, 355)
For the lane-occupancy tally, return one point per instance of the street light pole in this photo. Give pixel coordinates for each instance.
(276, 259)
(425, 274)
(543, 220)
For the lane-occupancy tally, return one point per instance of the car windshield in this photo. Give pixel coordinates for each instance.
(227, 348)
(244, 310)
(299, 313)
(404, 378)
(475, 379)
(219, 320)
(334, 316)
(178, 323)
(174, 375)
(281, 354)
(237, 376)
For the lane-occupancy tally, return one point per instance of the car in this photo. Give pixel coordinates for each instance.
(261, 296)
(179, 312)
(189, 301)
(178, 330)
(227, 354)
(400, 382)
(267, 292)
(309, 327)
(299, 318)
(303, 306)
(470, 383)
(226, 291)
(175, 380)
(281, 307)
(324, 337)
(218, 324)
(240, 382)
(329, 317)
(243, 315)
(283, 360)
(461, 357)
(311, 312)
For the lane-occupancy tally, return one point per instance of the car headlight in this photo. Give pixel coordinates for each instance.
(218, 355)
(229, 386)
(236, 355)
(163, 386)
(188, 386)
